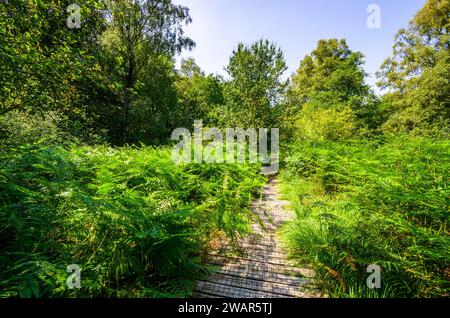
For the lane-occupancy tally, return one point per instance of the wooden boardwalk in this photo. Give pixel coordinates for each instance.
(258, 269)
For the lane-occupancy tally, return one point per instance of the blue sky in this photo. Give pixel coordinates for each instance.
(295, 25)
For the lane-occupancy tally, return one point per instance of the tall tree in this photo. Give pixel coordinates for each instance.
(138, 31)
(418, 73)
(199, 96)
(331, 80)
(155, 112)
(332, 74)
(44, 64)
(256, 85)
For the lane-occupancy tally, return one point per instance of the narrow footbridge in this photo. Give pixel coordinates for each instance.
(258, 268)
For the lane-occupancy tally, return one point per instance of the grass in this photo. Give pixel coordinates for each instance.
(383, 202)
(135, 222)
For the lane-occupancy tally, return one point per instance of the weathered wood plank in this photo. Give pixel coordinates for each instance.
(259, 267)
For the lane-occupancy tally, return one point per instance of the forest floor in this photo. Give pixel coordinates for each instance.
(258, 267)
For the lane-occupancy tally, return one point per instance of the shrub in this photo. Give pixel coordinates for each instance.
(326, 124)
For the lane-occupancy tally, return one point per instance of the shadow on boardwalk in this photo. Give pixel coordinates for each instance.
(260, 269)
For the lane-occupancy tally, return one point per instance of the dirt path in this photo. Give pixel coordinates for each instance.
(259, 269)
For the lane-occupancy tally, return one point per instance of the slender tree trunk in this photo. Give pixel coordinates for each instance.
(129, 84)
(253, 119)
(126, 118)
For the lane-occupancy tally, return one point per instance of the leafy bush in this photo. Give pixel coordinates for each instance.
(326, 124)
(383, 202)
(45, 128)
(134, 221)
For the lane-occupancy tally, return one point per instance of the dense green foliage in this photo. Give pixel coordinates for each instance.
(45, 66)
(113, 77)
(255, 87)
(362, 195)
(418, 74)
(134, 221)
(329, 98)
(199, 96)
(383, 202)
(141, 39)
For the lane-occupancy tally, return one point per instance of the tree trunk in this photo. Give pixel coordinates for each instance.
(129, 84)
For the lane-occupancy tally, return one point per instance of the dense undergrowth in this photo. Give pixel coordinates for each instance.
(134, 221)
(383, 202)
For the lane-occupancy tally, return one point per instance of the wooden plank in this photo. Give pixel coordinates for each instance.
(259, 267)
(232, 292)
(263, 275)
(256, 285)
(203, 294)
